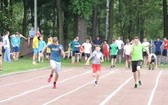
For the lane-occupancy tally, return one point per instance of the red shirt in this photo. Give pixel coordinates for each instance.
(165, 44)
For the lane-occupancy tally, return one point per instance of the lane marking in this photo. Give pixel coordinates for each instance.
(154, 89)
(30, 79)
(114, 92)
(76, 89)
(42, 87)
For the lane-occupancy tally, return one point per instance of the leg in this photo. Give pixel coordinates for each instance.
(8, 55)
(0, 62)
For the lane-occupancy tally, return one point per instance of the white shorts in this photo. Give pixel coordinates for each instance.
(55, 65)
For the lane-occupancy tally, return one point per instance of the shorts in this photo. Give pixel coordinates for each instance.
(35, 50)
(120, 51)
(145, 54)
(75, 52)
(56, 65)
(127, 57)
(87, 55)
(135, 64)
(16, 49)
(114, 56)
(158, 52)
(164, 53)
(106, 54)
(96, 67)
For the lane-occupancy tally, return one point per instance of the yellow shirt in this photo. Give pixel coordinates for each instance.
(50, 41)
(35, 42)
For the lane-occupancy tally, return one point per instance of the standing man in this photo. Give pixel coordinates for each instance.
(6, 45)
(97, 42)
(55, 59)
(158, 44)
(137, 58)
(0, 53)
(120, 45)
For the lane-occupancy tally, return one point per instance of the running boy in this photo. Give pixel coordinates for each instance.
(97, 57)
(137, 58)
(113, 52)
(55, 59)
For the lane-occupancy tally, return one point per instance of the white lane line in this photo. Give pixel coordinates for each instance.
(76, 89)
(154, 89)
(14, 83)
(114, 92)
(42, 87)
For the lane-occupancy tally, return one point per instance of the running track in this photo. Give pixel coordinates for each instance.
(75, 87)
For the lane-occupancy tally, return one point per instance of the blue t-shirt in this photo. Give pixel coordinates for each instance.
(158, 45)
(55, 52)
(42, 44)
(97, 42)
(15, 41)
(76, 46)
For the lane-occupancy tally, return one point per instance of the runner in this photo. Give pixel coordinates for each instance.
(137, 58)
(113, 52)
(55, 59)
(106, 51)
(126, 54)
(97, 57)
(158, 45)
(153, 62)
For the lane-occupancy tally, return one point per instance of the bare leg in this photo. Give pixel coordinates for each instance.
(135, 77)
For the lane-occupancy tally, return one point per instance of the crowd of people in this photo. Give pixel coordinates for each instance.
(133, 51)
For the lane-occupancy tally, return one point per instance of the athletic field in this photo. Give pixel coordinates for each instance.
(76, 87)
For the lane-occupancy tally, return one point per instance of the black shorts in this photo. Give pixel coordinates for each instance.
(164, 53)
(158, 52)
(75, 52)
(87, 55)
(114, 56)
(135, 64)
(145, 54)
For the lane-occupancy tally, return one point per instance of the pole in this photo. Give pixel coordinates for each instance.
(107, 19)
(35, 16)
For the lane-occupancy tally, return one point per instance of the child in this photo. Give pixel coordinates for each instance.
(113, 53)
(97, 57)
(87, 49)
(42, 44)
(50, 41)
(0, 53)
(153, 61)
(126, 54)
(35, 48)
(55, 59)
(106, 51)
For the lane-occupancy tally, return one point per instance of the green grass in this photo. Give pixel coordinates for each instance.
(25, 64)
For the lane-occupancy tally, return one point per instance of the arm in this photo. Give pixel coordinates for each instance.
(63, 53)
(23, 37)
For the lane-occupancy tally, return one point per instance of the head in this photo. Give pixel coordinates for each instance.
(87, 40)
(113, 40)
(105, 41)
(41, 37)
(55, 40)
(97, 48)
(97, 37)
(77, 38)
(119, 38)
(144, 40)
(7, 33)
(136, 40)
(17, 34)
(158, 39)
(165, 39)
(127, 41)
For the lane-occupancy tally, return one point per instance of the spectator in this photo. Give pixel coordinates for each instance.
(145, 55)
(35, 45)
(113, 52)
(0, 53)
(97, 42)
(42, 44)
(126, 54)
(164, 53)
(87, 49)
(158, 45)
(106, 51)
(120, 45)
(6, 45)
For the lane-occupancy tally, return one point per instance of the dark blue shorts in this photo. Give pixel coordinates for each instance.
(16, 49)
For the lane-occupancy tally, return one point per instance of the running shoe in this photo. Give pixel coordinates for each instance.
(136, 86)
(54, 85)
(95, 83)
(49, 79)
(140, 83)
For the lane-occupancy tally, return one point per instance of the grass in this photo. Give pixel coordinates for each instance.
(25, 64)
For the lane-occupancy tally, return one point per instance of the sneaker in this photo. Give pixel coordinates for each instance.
(111, 66)
(140, 83)
(54, 85)
(96, 83)
(49, 79)
(149, 68)
(34, 63)
(136, 86)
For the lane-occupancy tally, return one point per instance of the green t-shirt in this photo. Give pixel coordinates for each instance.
(137, 52)
(113, 49)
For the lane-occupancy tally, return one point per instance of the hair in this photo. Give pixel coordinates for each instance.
(55, 39)
(136, 37)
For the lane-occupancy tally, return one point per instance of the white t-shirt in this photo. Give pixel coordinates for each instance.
(127, 49)
(146, 44)
(87, 47)
(6, 43)
(119, 43)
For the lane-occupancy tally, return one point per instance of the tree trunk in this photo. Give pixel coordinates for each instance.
(111, 19)
(24, 24)
(82, 29)
(60, 21)
(95, 22)
(165, 18)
